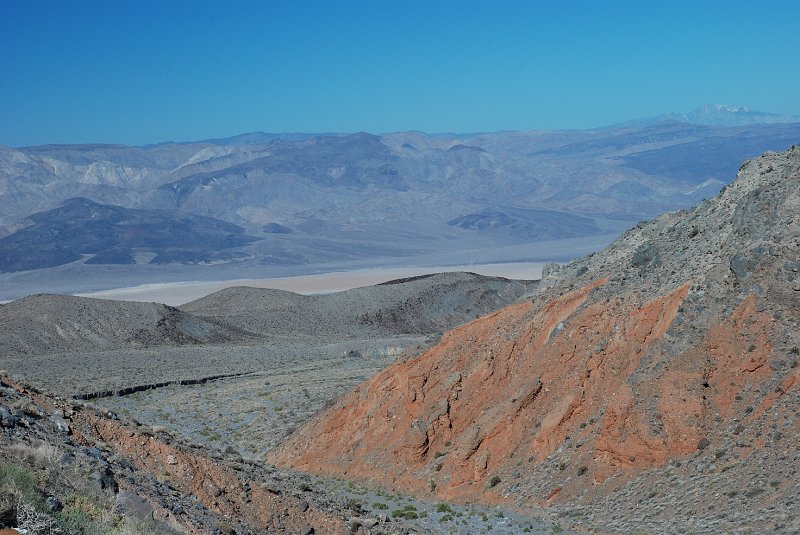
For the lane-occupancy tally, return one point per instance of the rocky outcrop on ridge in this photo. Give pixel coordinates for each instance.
(668, 361)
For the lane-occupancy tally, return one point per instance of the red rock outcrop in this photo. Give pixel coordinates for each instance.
(650, 351)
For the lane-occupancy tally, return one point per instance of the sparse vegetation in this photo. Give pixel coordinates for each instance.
(81, 514)
(443, 508)
(409, 512)
(494, 481)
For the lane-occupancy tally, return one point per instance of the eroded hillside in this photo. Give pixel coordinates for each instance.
(668, 361)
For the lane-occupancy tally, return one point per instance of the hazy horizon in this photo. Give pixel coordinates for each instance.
(150, 72)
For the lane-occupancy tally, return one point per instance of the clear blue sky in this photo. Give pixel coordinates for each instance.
(146, 71)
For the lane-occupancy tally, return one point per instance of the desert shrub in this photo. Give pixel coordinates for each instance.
(86, 516)
(355, 505)
(443, 508)
(380, 506)
(19, 483)
(494, 481)
(34, 520)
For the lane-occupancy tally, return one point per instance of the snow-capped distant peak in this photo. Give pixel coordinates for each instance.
(725, 108)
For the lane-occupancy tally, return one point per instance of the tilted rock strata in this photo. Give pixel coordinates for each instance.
(678, 336)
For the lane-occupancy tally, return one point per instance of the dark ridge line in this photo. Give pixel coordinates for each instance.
(141, 388)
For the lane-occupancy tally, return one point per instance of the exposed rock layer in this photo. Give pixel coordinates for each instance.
(678, 336)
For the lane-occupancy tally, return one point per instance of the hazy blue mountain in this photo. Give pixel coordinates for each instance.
(344, 199)
(114, 235)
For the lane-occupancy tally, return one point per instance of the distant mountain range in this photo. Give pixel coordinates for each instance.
(300, 201)
(720, 115)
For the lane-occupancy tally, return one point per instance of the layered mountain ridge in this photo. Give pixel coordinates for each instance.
(667, 361)
(304, 203)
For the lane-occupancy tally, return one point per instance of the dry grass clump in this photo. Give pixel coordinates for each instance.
(22, 505)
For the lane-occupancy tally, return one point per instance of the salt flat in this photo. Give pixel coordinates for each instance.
(178, 293)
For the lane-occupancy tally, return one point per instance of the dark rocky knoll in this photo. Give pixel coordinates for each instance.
(420, 305)
(48, 324)
(651, 386)
(114, 235)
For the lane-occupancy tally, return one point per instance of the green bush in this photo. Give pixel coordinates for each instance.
(409, 512)
(443, 508)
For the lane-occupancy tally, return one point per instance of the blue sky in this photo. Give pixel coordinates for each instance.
(143, 71)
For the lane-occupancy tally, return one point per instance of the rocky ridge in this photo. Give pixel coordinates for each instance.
(668, 360)
(419, 305)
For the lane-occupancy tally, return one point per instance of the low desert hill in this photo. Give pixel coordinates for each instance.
(650, 386)
(417, 305)
(46, 324)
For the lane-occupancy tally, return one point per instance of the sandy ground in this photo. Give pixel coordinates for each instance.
(178, 293)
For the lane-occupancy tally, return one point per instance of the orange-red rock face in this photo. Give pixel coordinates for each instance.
(502, 393)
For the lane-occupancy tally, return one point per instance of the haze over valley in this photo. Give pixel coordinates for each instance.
(94, 217)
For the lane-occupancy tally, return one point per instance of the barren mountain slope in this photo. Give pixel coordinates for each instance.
(668, 361)
(42, 324)
(419, 305)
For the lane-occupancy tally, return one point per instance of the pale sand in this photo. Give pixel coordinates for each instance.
(178, 293)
